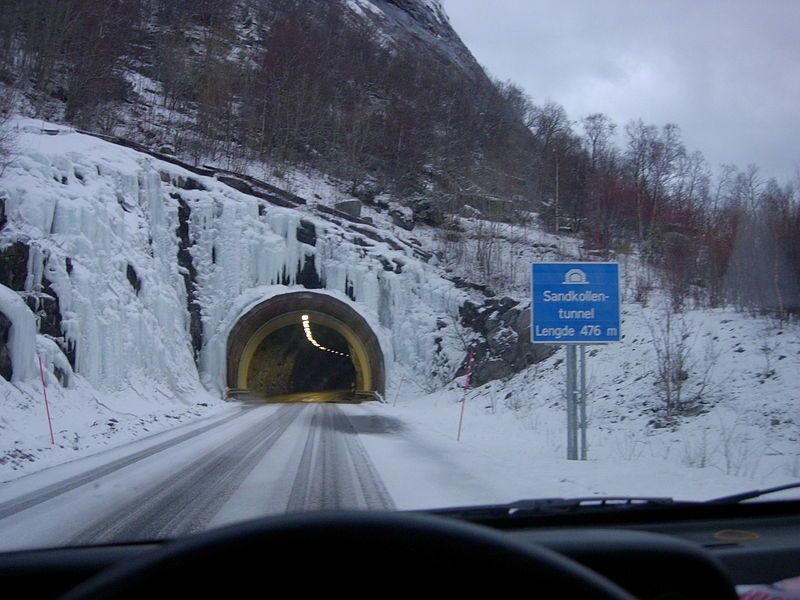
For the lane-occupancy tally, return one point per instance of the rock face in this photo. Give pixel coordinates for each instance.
(284, 364)
(424, 25)
(505, 348)
(402, 219)
(46, 308)
(37, 292)
(189, 273)
(271, 370)
(2, 210)
(14, 265)
(350, 207)
(6, 368)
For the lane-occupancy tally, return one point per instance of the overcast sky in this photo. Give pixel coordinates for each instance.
(726, 71)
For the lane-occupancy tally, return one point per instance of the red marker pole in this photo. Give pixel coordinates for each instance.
(398, 390)
(470, 358)
(46, 405)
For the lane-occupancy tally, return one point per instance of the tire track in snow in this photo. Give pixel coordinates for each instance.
(375, 493)
(188, 501)
(335, 470)
(46, 493)
(301, 489)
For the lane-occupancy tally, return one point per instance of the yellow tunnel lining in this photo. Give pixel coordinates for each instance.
(358, 351)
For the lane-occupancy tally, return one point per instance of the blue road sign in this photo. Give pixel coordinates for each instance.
(575, 303)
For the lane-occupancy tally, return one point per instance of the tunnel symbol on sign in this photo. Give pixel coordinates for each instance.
(575, 276)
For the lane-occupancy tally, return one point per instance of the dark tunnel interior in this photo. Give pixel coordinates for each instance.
(287, 361)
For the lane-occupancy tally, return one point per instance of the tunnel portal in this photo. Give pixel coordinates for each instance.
(303, 342)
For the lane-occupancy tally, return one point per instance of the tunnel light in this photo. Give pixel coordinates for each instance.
(310, 337)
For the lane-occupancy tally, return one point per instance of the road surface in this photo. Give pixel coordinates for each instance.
(254, 460)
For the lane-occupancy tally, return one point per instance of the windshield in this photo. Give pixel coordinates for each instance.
(268, 256)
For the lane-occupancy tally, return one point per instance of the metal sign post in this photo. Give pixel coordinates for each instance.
(582, 402)
(575, 304)
(572, 413)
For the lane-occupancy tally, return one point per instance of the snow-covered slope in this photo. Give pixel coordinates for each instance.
(140, 268)
(106, 208)
(743, 432)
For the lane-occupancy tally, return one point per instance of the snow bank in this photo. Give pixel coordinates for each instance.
(741, 432)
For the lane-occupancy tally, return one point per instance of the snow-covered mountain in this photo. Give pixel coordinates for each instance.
(125, 260)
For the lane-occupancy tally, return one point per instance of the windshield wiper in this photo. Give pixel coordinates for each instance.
(550, 506)
(524, 508)
(735, 498)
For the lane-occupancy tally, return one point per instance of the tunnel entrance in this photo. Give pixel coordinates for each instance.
(303, 342)
(287, 361)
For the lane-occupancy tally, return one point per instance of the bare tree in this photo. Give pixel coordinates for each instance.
(601, 178)
(683, 372)
(691, 188)
(672, 345)
(653, 158)
(6, 134)
(598, 137)
(665, 152)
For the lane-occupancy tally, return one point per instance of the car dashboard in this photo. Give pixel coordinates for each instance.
(679, 551)
(676, 551)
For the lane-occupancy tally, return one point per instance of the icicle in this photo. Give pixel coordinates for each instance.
(22, 334)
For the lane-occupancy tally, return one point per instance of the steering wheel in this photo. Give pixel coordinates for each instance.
(352, 553)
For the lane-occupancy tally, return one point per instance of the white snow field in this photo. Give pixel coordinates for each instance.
(744, 434)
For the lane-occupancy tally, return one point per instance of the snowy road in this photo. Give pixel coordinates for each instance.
(251, 461)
